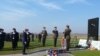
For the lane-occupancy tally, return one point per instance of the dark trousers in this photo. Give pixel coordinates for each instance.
(14, 44)
(55, 41)
(67, 43)
(24, 48)
(27, 45)
(39, 39)
(1, 44)
(43, 40)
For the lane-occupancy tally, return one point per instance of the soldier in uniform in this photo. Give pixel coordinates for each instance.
(67, 36)
(44, 35)
(55, 35)
(2, 38)
(15, 38)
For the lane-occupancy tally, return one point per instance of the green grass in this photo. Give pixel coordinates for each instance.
(33, 47)
(49, 44)
(86, 53)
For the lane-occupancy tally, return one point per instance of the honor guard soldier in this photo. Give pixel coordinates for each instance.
(67, 36)
(44, 35)
(15, 38)
(2, 38)
(55, 36)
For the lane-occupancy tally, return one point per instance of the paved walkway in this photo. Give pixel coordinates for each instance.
(39, 53)
(43, 53)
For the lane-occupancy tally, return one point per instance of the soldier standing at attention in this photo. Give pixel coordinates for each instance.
(44, 35)
(15, 39)
(55, 36)
(2, 38)
(67, 37)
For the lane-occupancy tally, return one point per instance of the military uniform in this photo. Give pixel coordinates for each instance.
(67, 36)
(55, 35)
(44, 35)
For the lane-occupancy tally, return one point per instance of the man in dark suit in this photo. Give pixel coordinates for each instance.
(55, 36)
(15, 38)
(2, 38)
(25, 40)
(28, 38)
(67, 36)
(44, 35)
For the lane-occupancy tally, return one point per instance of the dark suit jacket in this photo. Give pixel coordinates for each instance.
(2, 36)
(26, 37)
(15, 37)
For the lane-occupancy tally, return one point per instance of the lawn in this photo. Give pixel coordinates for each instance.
(33, 46)
(86, 53)
(49, 44)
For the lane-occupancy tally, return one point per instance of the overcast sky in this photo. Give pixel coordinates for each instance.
(34, 14)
